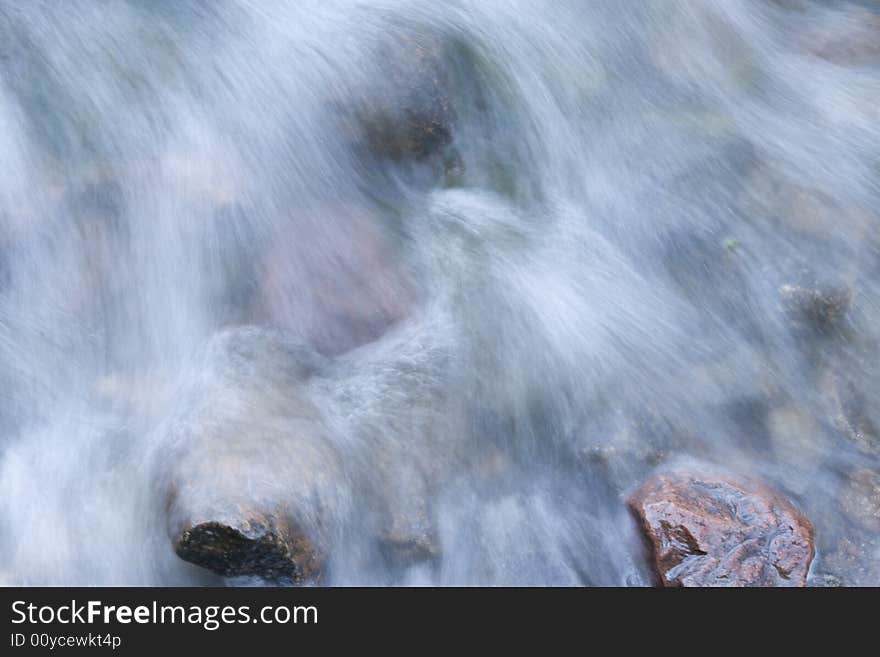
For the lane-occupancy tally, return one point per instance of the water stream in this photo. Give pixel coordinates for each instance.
(611, 248)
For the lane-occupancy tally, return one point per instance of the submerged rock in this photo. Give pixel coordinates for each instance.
(820, 306)
(860, 499)
(404, 549)
(249, 463)
(849, 410)
(799, 442)
(854, 41)
(343, 287)
(722, 530)
(409, 536)
(408, 113)
(854, 561)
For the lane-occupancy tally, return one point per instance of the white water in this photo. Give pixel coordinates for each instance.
(584, 285)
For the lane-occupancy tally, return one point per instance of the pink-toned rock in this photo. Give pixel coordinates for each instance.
(710, 528)
(853, 42)
(333, 281)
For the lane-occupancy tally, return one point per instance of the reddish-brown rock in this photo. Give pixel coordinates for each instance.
(716, 529)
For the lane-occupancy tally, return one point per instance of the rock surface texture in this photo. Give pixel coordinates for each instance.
(243, 466)
(407, 113)
(722, 530)
(821, 307)
(254, 545)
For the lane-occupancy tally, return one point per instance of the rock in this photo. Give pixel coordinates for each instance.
(408, 548)
(341, 288)
(632, 441)
(854, 41)
(860, 498)
(826, 580)
(800, 444)
(717, 529)
(249, 465)
(252, 544)
(406, 529)
(855, 561)
(849, 410)
(408, 113)
(409, 536)
(822, 307)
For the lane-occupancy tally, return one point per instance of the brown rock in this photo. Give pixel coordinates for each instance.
(722, 530)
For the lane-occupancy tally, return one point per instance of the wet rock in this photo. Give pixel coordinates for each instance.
(407, 531)
(826, 580)
(855, 561)
(408, 113)
(854, 41)
(799, 443)
(252, 544)
(408, 535)
(632, 441)
(409, 542)
(341, 288)
(739, 373)
(250, 466)
(822, 307)
(93, 224)
(717, 529)
(860, 498)
(230, 272)
(849, 409)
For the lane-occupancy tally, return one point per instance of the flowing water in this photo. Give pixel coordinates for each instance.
(617, 258)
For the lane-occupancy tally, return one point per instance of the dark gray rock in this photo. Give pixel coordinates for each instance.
(253, 545)
(408, 114)
(821, 306)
